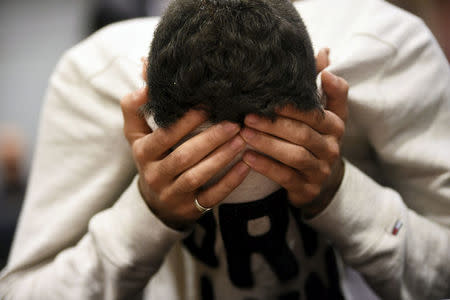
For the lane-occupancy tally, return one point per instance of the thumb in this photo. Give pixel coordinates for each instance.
(322, 60)
(336, 90)
(134, 125)
(144, 61)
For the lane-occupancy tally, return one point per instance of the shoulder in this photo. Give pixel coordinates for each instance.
(371, 40)
(92, 77)
(336, 22)
(105, 66)
(123, 41)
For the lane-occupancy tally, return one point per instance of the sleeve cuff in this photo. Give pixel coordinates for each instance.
(360, 214)
(129, 234)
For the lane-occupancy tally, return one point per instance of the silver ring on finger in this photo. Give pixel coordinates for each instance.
(200, 207)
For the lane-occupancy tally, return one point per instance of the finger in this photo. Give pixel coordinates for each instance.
(215, 194)
(322, 60)
(290, 154)
(135, 125)
(325, 122)
(198, 147)
(336, 90)
(144, 61)
(288, 178)
(293, 131)
(202, 172)
(154, 145)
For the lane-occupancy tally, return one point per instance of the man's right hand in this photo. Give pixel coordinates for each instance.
(169, 181)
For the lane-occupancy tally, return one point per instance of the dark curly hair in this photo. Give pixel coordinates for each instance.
(230, 58)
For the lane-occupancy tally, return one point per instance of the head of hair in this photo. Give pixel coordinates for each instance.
(230, 58)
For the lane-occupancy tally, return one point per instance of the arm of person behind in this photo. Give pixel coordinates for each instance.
(85, 232)
(397, 235)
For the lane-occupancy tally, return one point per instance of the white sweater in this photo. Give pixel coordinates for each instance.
(86, 233)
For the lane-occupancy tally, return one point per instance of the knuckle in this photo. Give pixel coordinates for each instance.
(297, 158)
(328, 115)
(325, 170)
(166, 168)
(286, 178)
(179, 158)
(151, 178)
(340, 128)
(138, 151)
(214, 135)
(303, 135)
(165, 195)
(334, 151)
(191, 181)
(162, 138)
(313, 191)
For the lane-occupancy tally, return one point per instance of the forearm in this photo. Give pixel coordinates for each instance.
(122, 250)
(75, 273)
(401, 263)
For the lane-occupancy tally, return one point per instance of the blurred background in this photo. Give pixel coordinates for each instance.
(35, 33)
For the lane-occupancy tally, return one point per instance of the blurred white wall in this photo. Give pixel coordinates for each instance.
(33, 35)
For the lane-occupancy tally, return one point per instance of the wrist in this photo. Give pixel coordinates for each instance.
(327, 193)
(149, 199)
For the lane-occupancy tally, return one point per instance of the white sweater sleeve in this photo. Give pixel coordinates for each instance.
(84, 232)
(398, 235)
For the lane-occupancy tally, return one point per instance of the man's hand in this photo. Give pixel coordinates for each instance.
(169, 181)
(302, 148)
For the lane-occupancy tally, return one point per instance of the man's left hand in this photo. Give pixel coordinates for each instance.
(302, 149)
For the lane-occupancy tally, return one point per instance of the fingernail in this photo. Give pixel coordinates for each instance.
(237, 143)
(251, 119)
(230, 127)
(249, 158)
(327, 50)
(248, 133)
